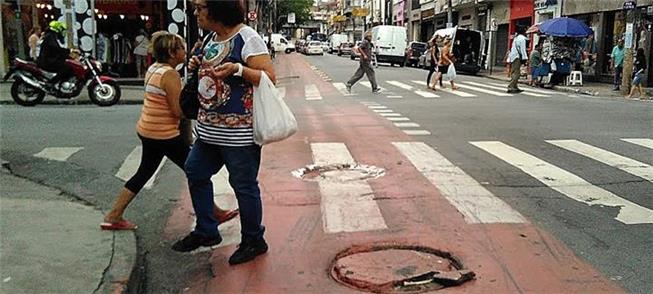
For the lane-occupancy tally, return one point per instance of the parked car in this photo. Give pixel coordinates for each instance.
(300, 45)
(314, 47)
(414, 51)
(423, 61)
(468, 48)
(335, 40)
(345, 48)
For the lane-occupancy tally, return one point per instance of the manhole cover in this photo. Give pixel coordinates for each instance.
(339, 172)
(392, 268)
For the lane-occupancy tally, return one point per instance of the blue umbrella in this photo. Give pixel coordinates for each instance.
(565, 27)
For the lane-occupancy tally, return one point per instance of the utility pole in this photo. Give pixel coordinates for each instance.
(93, 32)
(627, 71)
(449, 14)
(69, 22)
(20, 34)
(2, 60)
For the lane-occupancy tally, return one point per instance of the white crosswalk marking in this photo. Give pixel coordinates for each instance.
(426, 94)
(58, 153)
(395, 96)
(417, 132)
(406, 125)
(648, 143)
(486, 91)
(312, 93)
(475, 202)
(628, 165)
(130, 166)
(390, 114)
(397, 118)
(505, 86)
(456, 92)
(567, 183)
(377, 107)
(383, 110)
(369, 85)
(347, 206)
(342, 88)
(400, 85)
(525, 92)
(282, 92)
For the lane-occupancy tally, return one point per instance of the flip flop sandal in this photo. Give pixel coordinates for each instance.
(123, 225)
(229, 215)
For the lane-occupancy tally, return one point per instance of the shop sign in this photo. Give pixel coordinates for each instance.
(630, 4)
(291, 17)
(628, 43)
(360, 11)
(251, 15)
(544, 4)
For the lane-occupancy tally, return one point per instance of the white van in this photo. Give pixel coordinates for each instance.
(280, 43)
(390, 44)
(335, 40)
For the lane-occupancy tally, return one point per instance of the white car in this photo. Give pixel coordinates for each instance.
(314, 47)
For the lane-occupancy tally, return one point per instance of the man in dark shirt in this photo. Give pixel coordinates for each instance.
(365, 50)
(52, 56)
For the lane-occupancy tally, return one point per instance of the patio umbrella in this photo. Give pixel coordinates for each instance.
(565, 27)
(534, 28)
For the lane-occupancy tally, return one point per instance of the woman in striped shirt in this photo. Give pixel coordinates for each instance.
(158, 127)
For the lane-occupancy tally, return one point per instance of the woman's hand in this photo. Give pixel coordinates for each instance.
(194, 62)
(223, 71)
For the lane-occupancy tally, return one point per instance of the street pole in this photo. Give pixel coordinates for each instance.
(20, 33)
(69, 22)
(449, 14)
(627, 71)
(2, 58)
(93, 32)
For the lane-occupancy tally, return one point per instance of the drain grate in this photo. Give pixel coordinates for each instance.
(394, 268)
(339, 172)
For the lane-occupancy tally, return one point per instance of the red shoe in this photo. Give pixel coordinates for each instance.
(229, 215)
(123, 225)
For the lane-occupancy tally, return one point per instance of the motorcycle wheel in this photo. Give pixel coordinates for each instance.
(106, 94)
(32, 96)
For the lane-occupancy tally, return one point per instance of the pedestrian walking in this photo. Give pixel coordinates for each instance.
(33, 40)
(233, 60)
(158, 127)
(640, 67)
(617, 63)
(365, 67)
(446, 60)
(141, 45)
(516, 58)
(433, 54)
(535, 61)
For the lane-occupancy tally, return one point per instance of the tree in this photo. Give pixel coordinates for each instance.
(301, 8)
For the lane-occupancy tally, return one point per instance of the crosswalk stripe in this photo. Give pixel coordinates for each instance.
(475, 202)
(397, 118)
(382, 110)
(505, 86)
(628, 165)
(390, 114)
(407, 125)
(417, 132)
(130, 166)
(648, 143)
(58, 153)
(426, 94)
(395, 96)
(347, 206)
(369, 85)
(495, 93)
(377, 107)
(342, 88)
(311, 92)
(457, 92)
(400, 85)
(567, 183)
(525, 92)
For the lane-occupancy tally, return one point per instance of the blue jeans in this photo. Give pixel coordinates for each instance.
(203, 162)
(617, 76)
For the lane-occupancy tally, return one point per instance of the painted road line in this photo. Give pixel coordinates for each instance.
(390, 114)
(495, 93)
(505, 86)
(282, 92)
(626, 164)
(58, 153)
(648, 143)
(397, 118)
(567, 183)
(377, 107)
(477, 204)
(342, 88)
(311, 92)
(347, 206)
(400, 85)
(426, 94)
(130, 166)
(525, 92)
(369, 85)
(382, 110)
(406, 125)
(417, 132)
(395, 96)
(457, 92)
(369, 103)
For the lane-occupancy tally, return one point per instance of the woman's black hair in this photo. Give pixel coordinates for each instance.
(227, 12)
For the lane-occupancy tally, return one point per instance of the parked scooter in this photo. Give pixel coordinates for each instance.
(31, 83)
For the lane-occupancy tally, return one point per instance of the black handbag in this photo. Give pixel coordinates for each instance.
(188, 100)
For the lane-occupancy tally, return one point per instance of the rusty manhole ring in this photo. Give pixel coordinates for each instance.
(339, 172)
(396, 268)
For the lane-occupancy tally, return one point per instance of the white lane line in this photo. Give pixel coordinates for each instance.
(626, 164)
(406, 125)
(311, 92)
(395, 96)
(377, 107)
(130, 166)
(567, 183)
(457, 92)
(400, 85)
(426, 94)
(342, 88)
(390, 114)
(648, 143)
(417, 132)
(382, 110)
(58, 153)
(369, 103)
(505, 86)
(477, 204)
(369, 85)
(495, 93)
(525, 92)
(347, 206)
(282, 92)
(398, 118)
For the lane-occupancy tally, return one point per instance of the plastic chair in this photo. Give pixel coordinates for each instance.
(575, 78)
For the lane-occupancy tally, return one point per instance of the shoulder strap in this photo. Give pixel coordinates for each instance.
(207, 39)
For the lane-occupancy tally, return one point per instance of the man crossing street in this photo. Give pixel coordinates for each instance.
(365, 66)
(516, 57)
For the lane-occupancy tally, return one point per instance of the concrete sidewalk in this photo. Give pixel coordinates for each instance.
(52, 243)
(588, 88)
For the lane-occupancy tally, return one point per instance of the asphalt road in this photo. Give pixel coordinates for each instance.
(621, 251)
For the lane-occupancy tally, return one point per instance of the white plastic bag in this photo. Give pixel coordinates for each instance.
(272, 119)
(451, 73)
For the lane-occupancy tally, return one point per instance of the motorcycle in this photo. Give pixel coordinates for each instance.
(31, 83)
